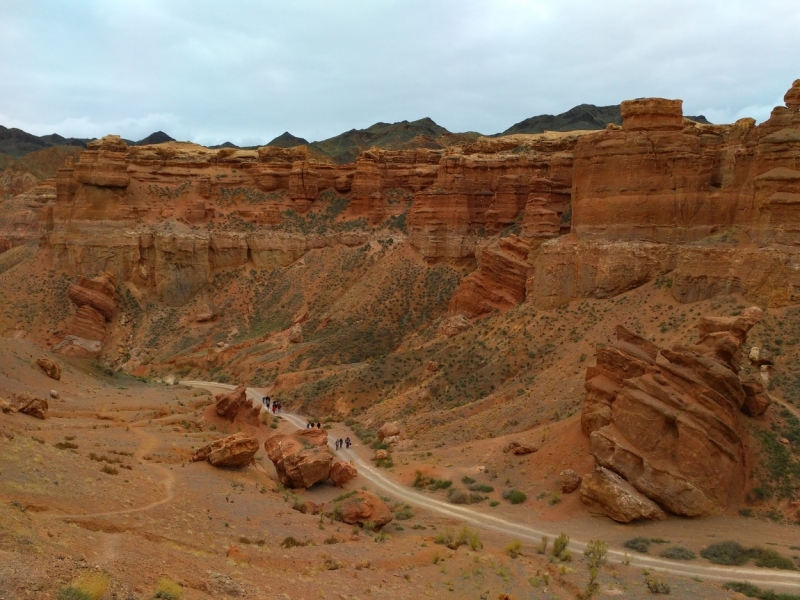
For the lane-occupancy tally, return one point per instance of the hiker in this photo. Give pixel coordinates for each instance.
(318, 425)
(341, 443)
(347, 441)
(337, 445)
(308, 425)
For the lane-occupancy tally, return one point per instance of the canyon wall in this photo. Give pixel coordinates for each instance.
(548, 217)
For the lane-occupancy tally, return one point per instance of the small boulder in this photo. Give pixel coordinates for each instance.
(760, 357)
(6, 406)
(522, 449)
(570, 481)
(228, 405)
(510, 446)
(50, 367)
(296, 334)
(432, 366)
(784, 441)
(392, 440)
(454, 325)
(610, 494)
(381, 455)
(28, 404)
(363, 507)
(388, 430)
(54, 394)
(342, 472)
(234, 451)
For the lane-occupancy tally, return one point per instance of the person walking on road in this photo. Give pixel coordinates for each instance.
(347, 442)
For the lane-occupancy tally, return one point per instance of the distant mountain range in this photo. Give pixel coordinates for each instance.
(345, 147)
(18, 143)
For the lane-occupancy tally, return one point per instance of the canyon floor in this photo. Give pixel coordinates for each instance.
(104, 484)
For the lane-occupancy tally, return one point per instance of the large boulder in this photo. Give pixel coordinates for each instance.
(298, 462)
(342, 472)
(610, 494)
(388, 430)
(50, 367)
(667, 421)
(234, 451)
(228, 405)
(363, 507)
(29, 404)
(314, 436)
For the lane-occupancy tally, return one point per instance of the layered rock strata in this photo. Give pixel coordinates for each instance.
(667, 421)
(86, 330)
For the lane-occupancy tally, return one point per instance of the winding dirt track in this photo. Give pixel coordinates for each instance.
(761, 577)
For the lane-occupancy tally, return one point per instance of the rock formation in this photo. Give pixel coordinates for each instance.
(234, 451)
(86, 330)
(667, 421)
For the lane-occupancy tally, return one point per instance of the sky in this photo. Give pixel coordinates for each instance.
(247, 71)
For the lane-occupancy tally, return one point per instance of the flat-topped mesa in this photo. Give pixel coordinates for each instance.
(667, 421)
(652, 114)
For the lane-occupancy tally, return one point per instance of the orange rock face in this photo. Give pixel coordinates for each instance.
(364, 507)
(667, 421)
(343, 472)
(229, 405)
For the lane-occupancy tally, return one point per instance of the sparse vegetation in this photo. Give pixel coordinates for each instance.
(88, 587)
(678, 553)
(752, 591)
(657, 585)
(515, 496)
(514, 549)
(168, 590)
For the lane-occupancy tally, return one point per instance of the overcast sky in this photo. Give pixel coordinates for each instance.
(246, 71)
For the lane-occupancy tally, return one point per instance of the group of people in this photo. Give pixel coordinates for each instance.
(272, 405)
(312, 426)
(340, 442)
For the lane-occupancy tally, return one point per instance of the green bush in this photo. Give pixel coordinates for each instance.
(752, 591)
(639, 544)
(480, 487)
(515, 496)
(678, 553)
(726, 553)
(559, 545)
(771, 559)
(657, 585)
(467, 480)
(514, 549)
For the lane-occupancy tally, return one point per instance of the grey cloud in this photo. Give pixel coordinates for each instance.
(247, 71)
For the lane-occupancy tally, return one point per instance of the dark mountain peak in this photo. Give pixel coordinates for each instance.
(287, 140)
(157, 137)
(224, 145)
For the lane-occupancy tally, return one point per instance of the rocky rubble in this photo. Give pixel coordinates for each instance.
(667, 421)
(26, 403)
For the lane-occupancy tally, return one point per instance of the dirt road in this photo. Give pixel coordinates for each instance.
(530, 533)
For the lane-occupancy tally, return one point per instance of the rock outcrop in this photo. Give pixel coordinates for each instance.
(570, 481)
(299, 463)
(234, 451)
(667, 421)
(86, 330)
(51, 368)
